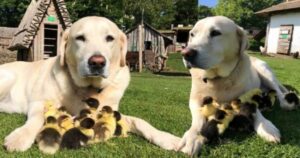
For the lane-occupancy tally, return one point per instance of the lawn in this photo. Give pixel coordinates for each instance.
(162, 100)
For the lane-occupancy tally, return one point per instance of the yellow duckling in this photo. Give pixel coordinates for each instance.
(49, 138)
(105, 125)
(208, 107)
(122, 127)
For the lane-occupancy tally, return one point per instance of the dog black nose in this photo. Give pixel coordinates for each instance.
(97, 61)
(188, 53)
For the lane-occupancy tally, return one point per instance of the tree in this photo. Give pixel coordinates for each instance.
(186, 12)
(154, 12)
(204, 11)
(111, 9)
(243, 11)
(12, 11)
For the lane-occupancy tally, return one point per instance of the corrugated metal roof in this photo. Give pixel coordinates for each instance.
(290, 5)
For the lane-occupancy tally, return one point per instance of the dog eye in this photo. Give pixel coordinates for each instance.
(109, 38)
(215, 33)
(192, 35)
(80, 38)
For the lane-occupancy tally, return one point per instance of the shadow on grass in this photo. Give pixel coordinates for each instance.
(175, 74)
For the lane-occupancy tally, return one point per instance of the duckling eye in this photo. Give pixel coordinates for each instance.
(109, 38)
(80, 38)
(215, 33)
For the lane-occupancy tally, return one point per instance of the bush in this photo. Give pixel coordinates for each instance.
(254, 45)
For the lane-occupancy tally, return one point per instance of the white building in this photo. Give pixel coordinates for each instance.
(283, 30)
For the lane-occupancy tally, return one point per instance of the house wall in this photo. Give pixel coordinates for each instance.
(284, 19)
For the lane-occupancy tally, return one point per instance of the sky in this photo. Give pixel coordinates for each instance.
(209, 3)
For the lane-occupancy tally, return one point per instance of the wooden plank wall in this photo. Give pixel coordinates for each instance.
(149, 35)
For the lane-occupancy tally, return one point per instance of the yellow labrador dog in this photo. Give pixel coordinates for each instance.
(220, 68)
(92, 59)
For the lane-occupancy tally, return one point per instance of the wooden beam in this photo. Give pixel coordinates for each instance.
(141, 48)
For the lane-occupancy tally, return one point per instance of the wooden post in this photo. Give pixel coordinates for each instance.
(141, 39)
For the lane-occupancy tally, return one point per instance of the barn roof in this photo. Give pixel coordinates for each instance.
(285, 6)
(7, 32)
(151, 28)
(32, 19)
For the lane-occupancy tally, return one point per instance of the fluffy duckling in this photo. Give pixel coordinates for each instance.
(292, 98)
(267, 100)
(50, 110)
(105, 125)
(122, 127)
(49, 138)
(252, 96)
(80, 135)
(65, 121)
(218, 122)
(243, 120)
(210, 129)
(208, 107)
(225, 115)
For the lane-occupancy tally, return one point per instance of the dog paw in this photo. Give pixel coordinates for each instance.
(191, 143)
(18, 140)
(168, 141)
(268, 132)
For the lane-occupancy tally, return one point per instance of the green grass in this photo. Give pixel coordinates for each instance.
(163, 101)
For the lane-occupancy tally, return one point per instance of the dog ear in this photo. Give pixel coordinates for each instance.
(63, 45)
(243, 39)
(123, 41)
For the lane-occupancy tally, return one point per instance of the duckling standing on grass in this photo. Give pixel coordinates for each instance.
(49, 138)
(50, 110)
(208, 106)
(218, 118)
(267, 100)
(252, 96)
(243, 120)
(105, 125)
(78, 131)
(121, 127)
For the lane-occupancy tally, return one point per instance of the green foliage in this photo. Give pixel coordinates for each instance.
(186, 11)
(125, 13)
(111, 9)
(243, 11)
(254, 44)
(154, 12)
(11, 12)
(204, 11)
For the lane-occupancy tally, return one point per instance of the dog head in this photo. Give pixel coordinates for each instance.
(214, 41)
(92, 49)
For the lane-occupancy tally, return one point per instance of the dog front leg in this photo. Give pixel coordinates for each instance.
(23, 137)
(265, 128)
(191, 141)
(160, 138)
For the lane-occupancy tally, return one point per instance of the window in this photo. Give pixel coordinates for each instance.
(50, 40)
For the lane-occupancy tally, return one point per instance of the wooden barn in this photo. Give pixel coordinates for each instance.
(283, 29)
(147, 47)
(39, 32)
